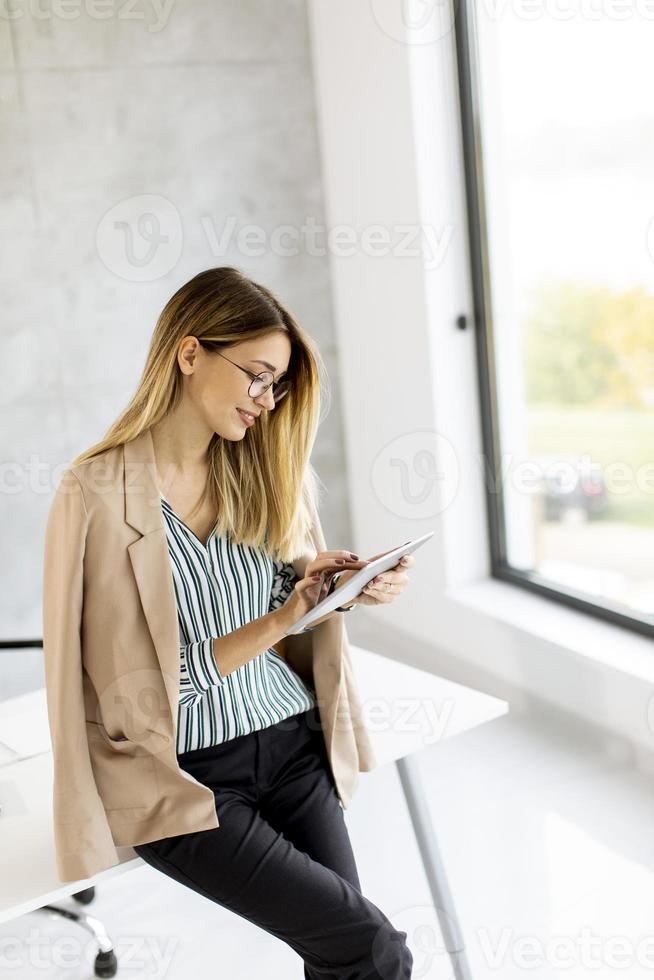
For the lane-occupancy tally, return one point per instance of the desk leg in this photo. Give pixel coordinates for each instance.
(433, 865)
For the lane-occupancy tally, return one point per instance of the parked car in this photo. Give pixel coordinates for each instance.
(572, 482)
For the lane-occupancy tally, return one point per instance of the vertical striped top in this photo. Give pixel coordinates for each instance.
(219, 587)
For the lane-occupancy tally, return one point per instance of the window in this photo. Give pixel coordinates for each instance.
(557, 120)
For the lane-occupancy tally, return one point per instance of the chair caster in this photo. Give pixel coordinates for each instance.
(86, 896)
(106, 964)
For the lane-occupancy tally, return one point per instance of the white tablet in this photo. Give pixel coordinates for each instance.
(353, 587)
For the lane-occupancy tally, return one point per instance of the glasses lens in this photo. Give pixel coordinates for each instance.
(264, 381)
(281, 389)
(260, 384)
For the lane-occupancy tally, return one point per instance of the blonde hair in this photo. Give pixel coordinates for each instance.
(263, 486)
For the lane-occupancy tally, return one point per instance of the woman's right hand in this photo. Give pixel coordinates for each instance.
(318, 574)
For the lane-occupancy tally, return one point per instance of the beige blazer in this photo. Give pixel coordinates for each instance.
(111, 648)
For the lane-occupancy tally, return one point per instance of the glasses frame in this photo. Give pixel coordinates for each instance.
(257, 377)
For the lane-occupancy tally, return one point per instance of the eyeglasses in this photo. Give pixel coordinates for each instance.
(262, 382)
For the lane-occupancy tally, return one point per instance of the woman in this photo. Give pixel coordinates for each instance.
(212, 753)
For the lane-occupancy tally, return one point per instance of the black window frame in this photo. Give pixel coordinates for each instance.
(467, 47)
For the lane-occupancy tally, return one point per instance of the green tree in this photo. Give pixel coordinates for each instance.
(588, 346)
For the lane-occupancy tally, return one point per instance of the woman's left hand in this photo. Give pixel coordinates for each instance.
(386, 586)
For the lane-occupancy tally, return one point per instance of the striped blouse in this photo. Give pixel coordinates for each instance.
(219, 587)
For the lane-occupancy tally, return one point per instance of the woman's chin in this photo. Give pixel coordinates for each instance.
(235, 433)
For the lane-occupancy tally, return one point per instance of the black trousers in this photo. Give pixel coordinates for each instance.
(282, 856)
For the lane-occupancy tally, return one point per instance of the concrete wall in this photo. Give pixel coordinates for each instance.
(199, 113)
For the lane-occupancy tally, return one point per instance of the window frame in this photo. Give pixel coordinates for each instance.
(468, 70)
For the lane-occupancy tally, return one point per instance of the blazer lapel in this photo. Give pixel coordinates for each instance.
(150, 560)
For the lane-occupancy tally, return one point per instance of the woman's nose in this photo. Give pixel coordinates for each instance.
(267, 399)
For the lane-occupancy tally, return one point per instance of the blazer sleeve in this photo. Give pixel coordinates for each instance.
(83, 839)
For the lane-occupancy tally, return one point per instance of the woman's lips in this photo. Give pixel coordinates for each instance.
(246, 420)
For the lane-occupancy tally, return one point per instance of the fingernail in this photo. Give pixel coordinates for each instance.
(355, 557)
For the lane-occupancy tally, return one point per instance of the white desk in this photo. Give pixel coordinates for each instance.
(406, 711)
(29, 877)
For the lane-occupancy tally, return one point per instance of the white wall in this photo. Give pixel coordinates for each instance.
(390, 143)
